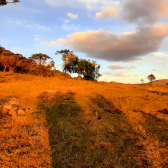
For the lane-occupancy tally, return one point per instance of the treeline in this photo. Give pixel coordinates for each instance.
(43, 65)
(37, 64)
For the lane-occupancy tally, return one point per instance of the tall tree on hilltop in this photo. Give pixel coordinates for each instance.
(68, 57)
(40, 58)
(151, 78)
(4, 2)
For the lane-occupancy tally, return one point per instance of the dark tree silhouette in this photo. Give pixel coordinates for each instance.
(142, 81)
(151, 78)
(4, 2)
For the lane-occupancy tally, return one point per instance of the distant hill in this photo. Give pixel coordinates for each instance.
(160, 82)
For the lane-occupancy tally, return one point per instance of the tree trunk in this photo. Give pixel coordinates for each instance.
(4, 69)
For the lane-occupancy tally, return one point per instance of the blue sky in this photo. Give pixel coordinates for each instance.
(128, 38)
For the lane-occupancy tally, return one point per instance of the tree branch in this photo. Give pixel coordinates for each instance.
(9, 2)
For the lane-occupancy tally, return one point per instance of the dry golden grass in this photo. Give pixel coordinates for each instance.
(137, 137)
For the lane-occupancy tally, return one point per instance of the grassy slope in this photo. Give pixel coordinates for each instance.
(82, 124)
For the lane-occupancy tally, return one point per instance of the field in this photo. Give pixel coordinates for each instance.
(82, 124)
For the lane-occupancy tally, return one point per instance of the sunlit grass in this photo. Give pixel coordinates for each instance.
(72, 123)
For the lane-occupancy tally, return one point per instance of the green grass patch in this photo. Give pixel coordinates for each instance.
(75, 144)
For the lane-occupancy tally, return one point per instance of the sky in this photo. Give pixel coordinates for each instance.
(128, 38)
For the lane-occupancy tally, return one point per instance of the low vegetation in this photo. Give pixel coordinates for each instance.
(110, 125)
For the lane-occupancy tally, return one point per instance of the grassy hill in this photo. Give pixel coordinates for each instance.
(82, 124)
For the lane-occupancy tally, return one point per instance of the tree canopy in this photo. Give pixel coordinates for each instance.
(44, 65)
(151, 78)
(67, 57)
(4, 2)
(72, 64)
(40, 58)
(89, 70)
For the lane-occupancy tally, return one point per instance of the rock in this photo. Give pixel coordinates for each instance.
(11, 107)
(21, 112)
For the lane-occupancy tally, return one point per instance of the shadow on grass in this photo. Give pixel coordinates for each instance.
(157, 128)
(163, 111)
(117, 132)
(68, 133)
(77, 143)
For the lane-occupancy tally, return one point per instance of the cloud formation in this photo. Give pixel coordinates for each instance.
(95, 5)
(36, 39)
(14, 22)
(109, 13)
(105, 45)
(44, 28)
(72, 16)
(71, 27)
(144, 11)
(66, 21)
(117, 66)
(118, 74)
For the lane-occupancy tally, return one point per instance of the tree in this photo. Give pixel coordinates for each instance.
(4, 2)
(26, 65)
(142, 81)
(151, 78)
(40, 58)
(89, 70)
(5, 58)
(67, 57)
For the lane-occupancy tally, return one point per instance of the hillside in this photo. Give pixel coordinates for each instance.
(78, 124)
(160, 82)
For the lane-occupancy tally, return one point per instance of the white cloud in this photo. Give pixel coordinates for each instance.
(153, 69)
(107, 46)
(54, 43)
(138, 62)
(117, 66)
(36, 35)
(118, 74)
(122, 74)
(159, 56)
(44, 28)
(95, 5)
(36, 39)
(66, 21)
(72, 16)
(109, 13)
(14, 22)
(71, 27)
